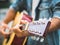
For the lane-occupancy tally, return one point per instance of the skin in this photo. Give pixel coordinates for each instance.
(9, 17)
(52, 26)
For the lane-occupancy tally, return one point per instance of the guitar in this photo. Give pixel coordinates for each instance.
(13, 39)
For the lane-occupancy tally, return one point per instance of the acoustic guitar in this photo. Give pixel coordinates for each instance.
(13, 39)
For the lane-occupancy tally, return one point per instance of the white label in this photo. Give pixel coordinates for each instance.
(38, 27)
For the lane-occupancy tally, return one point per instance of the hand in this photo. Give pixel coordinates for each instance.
(3, 27)
(17, 29)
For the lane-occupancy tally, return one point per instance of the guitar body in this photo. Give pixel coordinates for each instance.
(13, 39)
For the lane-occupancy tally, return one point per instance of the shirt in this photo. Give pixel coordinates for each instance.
(53, 37)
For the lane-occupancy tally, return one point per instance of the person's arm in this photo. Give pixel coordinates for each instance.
(3, 25)
(11, 13)
(53, 25)
(9, 16)
(55, 22)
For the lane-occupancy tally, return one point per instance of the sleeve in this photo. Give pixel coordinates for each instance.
(56, 11)
(16, 5)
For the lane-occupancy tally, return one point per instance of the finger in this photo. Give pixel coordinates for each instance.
(4, 33)
(17, 27)
(24, 21)
(4, 25)
(16, 30)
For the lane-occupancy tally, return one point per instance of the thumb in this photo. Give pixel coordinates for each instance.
(24, 21)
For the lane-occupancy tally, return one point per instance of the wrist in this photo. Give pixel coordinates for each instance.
(4, 22)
